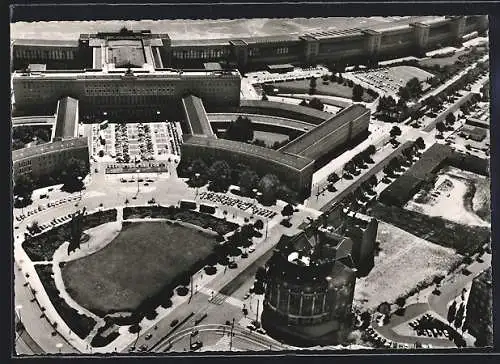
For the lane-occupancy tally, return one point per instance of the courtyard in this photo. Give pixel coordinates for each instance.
(157, 251)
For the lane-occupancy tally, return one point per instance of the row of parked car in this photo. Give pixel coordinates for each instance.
(44, 207)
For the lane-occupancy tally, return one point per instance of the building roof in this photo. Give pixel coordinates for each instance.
(46, 42)
(49, 148)
(289, 160)
(298, 109)
(280, 66)
(302, 144)
(66, 119)
(196, 116)
(125, 53)
(212, 66)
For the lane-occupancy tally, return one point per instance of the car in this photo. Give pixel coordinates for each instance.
(244, 255)
(251, 327)
(196, 345)
(479, 260)
(251, 250)
(174, 323)
(260, 330)
(148, 336)
(233, 265)
(466, 272)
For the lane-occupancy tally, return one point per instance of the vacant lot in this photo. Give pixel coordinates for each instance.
(452, 196)
(403, 261)
(463, 238)
(138, 263)
(330, 89)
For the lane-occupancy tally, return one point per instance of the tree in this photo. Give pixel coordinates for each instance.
(315, 103)
(395, 131)
(248, 180)
(23, 187)
(400, 301)
(312, 83)
(349, 167)
(240, 130)
(357, 93)
(440, 127)
(220, 176)
(373, 180)
(260, 275)
(268, 186)
(371, 150)
(287, 211)
(451, 312)
(264, 97)
(450, 119)
(414, 87)
(74, 171)
(459, 316)
(198, 166)
(420, 143)
(259, 225)
(404, 93)
(333, 177)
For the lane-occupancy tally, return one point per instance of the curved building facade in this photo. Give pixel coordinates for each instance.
(310, 289)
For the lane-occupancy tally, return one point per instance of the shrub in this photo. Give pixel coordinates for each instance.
(134, 329)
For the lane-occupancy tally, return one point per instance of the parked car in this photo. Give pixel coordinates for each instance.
(174, 323)
(196, 345)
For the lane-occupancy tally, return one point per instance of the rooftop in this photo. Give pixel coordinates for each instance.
(66, 119)
(304, 110)
(49, 148)
(290, 160)
(196, 116)
(302, 144)
(46, 42)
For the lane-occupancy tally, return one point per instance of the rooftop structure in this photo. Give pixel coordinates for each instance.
(305, 144)
(196, 116)
(66, 119)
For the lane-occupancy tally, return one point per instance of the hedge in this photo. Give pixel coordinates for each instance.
(81, 325)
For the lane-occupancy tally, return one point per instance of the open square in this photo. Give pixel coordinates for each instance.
(138, 263)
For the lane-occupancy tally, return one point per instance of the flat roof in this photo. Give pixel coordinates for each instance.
(126, 53)
(196, 116)
(271, 155)
(43, 119)
(37, 67)
(49, 148)
(280, 66)
(301, 144)
(200, 42)
(66, 118)
(304, 110)
(46, 42)
(102, 74)
(212, 66)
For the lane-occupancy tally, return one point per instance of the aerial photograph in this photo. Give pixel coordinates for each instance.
(251, 185)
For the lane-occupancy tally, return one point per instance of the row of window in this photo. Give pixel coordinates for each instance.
(44, 53)
(200, 53)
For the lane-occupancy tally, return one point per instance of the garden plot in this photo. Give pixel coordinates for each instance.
(455, 196)
(404, 261)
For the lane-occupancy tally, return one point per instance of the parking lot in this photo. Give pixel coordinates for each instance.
(136, 142)
(296, 74)
(390, 79)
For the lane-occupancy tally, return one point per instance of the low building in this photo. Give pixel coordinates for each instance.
(479, 312)
(47, 158)
(310, 282)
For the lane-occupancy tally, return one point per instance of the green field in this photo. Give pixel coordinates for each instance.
(138, 263)
(330, 89)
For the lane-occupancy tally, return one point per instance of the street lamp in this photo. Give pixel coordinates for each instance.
(80, 178)
(138, 171)
(196, 176)
(21, 199)
(267, 223)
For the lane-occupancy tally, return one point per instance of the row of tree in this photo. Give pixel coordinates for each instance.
(71, 174)
(220, 176)
(359, 160)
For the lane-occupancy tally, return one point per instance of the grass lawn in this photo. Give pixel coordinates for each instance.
(138, 263)
(403, 262)
(331, 89)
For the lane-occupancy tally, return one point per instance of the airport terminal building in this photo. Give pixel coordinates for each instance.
(402, 37)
